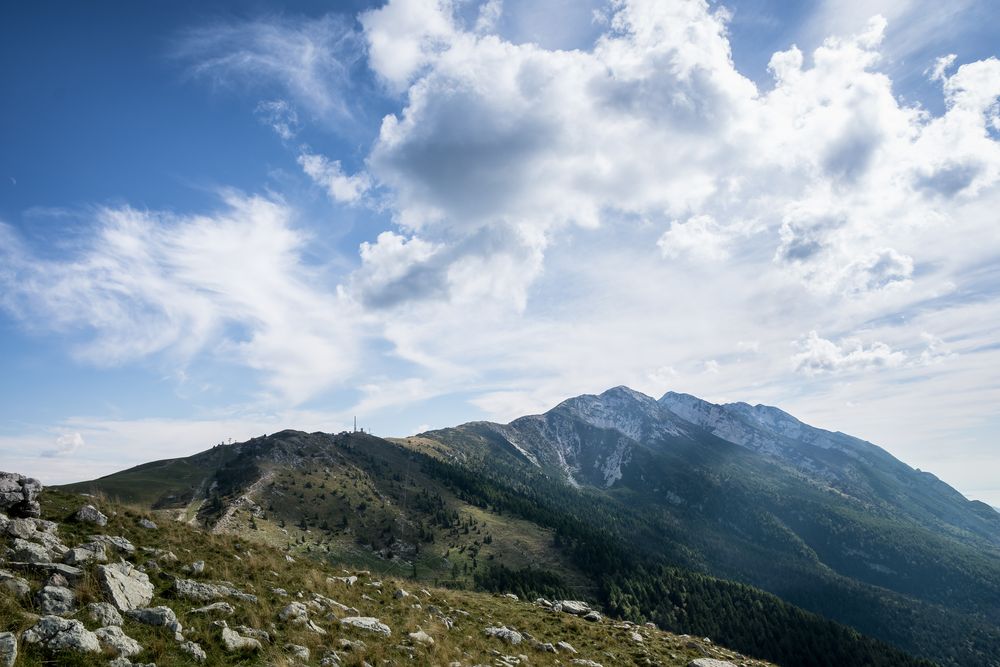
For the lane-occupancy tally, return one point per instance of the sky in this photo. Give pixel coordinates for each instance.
(222, 220)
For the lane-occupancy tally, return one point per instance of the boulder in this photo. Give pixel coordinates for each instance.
(592, 616)
(19, 495)
(203, 592)
(585, 663)
(127, 587)
(8, 649)
(23, 528)
(157, 616)
(114, 640)
(506, 634)
(91, 551)
(295, 613)
(422, 637)
(194, 650)
(90, 514)
(575, 607)
(400, 594)
(62, 634)
(115, 543)
(565, 646)
(300, 652)
(198, 567)
(147, 524)
(710, 662)
(234, 641)
(15, 585)
(103, 613)
(350, 581)
(30, 552)
(215, 608)
(55, 600)
(367, 623)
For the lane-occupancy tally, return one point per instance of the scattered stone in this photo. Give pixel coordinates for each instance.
(56, 600)
(56, 579)
(19, 495)
(542, 602)
(127, 587)
(350, 581)
(194, 650)
(511, 596)
(202, 592)
(547, 647)
(300, 652)
(15, 585)
(30, 552)
(586, 663)
(506, 634)
(367, 623)
(23, 528)
(709, 662)
(215, 608)
(73, 574)
(8, 649)
(295, 612)
(422, 637)
(91, 551)
(62, 634)
(566, 646)
(104, 614)
(254, 632)
(122, 661)
(157, 616)
(280, 592)
(575, 607)
(115, 542)
(592, 616)
(353, 645)
(114, 639)
(234, 641)
(636, 637)
(400, 594)
(198, 567)
(90, 514)
(147, 524)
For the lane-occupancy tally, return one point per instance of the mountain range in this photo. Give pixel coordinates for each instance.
(734, 521)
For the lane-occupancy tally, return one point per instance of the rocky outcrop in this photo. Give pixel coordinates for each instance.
(202, 592)
(90, 514)
(367, 623)
(62, 634)
(55, 600)
(127, 587)
(163, 617)
(19, 495)
(114, 640)
(508, 635)
(103, 613)
(8, 649)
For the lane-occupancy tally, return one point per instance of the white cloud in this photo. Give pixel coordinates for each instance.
(344, 188)
(280, 116)
(309, 59)
(820, 355)
(66, 444)
(232, 284)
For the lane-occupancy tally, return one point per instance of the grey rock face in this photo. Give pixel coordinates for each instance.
(8, 649)
(367, 623)
(234, 641)
(115, 543)
(56, 600)
(19, 495)
(104, 613)
(91, 551)
(115, 640)
(127, 587)
(30, 552)
(506, 634)
(194, 650)
(90, 514)
(157, 616)
(202, 592)
(16, 586)
(62, 634)
(215, 608)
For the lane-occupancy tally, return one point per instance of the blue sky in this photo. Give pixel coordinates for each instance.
(217, 221)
